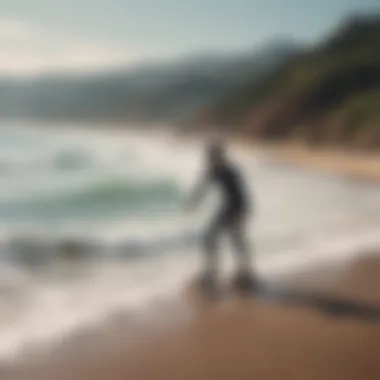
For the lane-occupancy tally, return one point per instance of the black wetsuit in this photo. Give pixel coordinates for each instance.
(231, 218)
(229, 179)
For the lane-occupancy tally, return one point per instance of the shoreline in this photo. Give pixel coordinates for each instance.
(176, 338)
(357, 165)
(318, 330)
(361, 166)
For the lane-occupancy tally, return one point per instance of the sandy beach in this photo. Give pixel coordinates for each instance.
(357, 165)
(314, 329)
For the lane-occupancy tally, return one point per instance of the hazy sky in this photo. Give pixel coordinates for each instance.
(40, 35)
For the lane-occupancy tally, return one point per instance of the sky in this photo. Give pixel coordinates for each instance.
(74, 35)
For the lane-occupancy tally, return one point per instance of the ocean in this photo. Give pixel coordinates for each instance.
(91, 223)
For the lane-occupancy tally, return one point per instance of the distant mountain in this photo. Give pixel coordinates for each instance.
(171, 91)
(327, 94)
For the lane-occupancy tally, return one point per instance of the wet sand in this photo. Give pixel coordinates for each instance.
(309, 326)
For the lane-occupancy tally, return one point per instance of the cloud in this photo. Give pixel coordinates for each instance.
(14, 30)
(27, 49)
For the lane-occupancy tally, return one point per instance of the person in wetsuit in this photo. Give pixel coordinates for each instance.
(232, 216)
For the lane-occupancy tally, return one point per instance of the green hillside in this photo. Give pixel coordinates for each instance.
(328, 94)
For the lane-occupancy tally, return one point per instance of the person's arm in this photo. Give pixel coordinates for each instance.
(198, 192)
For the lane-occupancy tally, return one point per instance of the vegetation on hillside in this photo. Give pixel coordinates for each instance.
(327, 94)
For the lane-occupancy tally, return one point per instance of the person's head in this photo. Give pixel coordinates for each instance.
(215, 154)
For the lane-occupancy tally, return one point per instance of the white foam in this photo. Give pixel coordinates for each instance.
(58, 312)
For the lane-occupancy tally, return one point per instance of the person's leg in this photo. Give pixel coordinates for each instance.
(245, 280)
(237, 229)
(211, 243)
